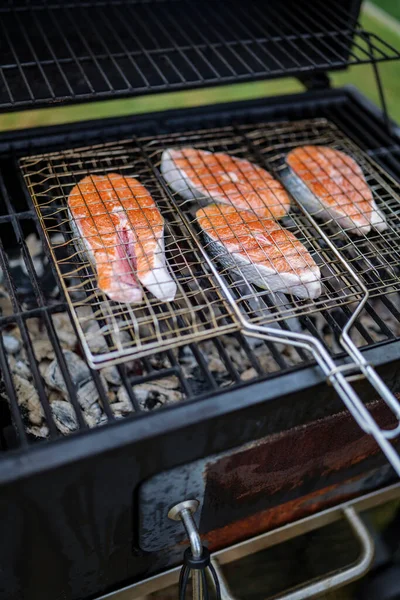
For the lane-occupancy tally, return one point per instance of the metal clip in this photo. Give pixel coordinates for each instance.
(347, 368)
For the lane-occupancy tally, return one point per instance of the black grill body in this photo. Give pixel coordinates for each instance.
(71, 508)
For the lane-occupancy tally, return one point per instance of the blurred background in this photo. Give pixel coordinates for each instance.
(378, 16)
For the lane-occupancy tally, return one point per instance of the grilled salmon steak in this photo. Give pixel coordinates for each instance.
(331, 185)
(217, 177)
(260, 250)
(122, 232)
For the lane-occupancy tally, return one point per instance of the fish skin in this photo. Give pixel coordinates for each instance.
(122, 232)
(199, 175)
(331, 185)
(263, 252)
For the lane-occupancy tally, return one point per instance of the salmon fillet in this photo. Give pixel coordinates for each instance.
(262, 251)
(123, 233)
(217, 177)
(330, 184)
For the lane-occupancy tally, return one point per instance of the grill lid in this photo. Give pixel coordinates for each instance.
(69, 52)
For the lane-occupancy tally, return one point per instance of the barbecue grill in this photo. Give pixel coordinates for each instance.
(268, 414)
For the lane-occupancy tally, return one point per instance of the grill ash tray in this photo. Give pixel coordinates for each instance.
(209, 296)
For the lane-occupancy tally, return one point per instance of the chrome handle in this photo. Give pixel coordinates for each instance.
(331, 581)
(197, 561)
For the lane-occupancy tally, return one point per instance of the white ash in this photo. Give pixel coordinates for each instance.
(11, 344)
(123, 406)
(248, 374)
(41, 431)
(78, 370)
(64, 416)
(65, 331)
(6, 307)
(19, 367)
(44, 350)
(28, 399)
(111, 375)
(35, 250)
(87, 394)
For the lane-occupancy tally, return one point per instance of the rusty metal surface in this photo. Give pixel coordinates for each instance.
(287, 470)
(267, 483)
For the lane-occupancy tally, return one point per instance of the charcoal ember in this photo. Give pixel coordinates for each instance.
(78, 370)
(187, 361)
(88, 395)
(65, 330)
(237, 356)
(267, 362)
(64, 416)
(159, 361)
(19, 367)
(95, 339)
(12, 345)
(43, 349)
(123, 405)
(35, 249)
(248, 374)
(112, 396)
(6, 307)
(38, 431)
(25, 290)
(23, 284)
(124, 402)
(167, 383)
(28, 399)
(93, 415)
(97, 336)
(253, 342)
(155, 394)
(216, 365)
(35, 328)
(43, 367)
(111, 375)
(55, 395)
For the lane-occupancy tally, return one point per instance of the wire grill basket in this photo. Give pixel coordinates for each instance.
(200, 308)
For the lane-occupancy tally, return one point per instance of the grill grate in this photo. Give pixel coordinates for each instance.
(200, 369)
(200, 309)
(78, 51)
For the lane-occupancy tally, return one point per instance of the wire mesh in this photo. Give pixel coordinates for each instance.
(198, 309)
(373, 255)
(77, 51)
(262, 271)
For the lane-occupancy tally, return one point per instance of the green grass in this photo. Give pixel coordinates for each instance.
(361, 76)
(392, 7)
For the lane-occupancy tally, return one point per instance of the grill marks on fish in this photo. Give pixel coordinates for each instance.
(331, 184)
(218, 177)
(262, 251)
(123, 233)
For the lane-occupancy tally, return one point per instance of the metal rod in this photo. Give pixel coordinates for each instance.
(184, 512)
